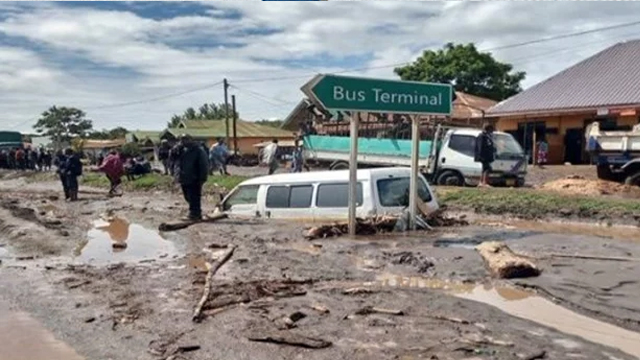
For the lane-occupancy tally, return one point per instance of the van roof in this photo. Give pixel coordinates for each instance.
(335, 175)
(472, 132)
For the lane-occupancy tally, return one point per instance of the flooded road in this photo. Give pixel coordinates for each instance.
(24, 338)
(118, 240)
(530, 306)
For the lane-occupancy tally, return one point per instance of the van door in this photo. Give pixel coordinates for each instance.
(458, 153)
(393, 194)
(243, 201)
(289, 201)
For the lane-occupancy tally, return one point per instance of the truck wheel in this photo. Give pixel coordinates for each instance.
(339, 165)
(633, 180)
(450, 178)
(604, 172)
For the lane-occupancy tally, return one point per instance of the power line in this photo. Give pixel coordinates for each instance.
(266, 99)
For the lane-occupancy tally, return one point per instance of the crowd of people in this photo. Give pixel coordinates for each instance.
(26, 159)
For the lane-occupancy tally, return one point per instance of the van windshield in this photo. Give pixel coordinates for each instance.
(244, 195)
(507, 145)
(394, 192)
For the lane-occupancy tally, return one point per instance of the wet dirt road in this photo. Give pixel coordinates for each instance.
(136, 301)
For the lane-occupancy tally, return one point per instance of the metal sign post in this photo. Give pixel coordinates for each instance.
(353, 173)
(413, 180)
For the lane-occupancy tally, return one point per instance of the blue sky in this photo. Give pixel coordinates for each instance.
(96, 55)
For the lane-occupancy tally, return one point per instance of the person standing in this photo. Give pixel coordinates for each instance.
(485, 152)
(543, 151)
(270, 156)
(113, 168)
(73, 169)
(192, 174)
(297, 158)
(163, 155)
(218, 156)
(21, 161)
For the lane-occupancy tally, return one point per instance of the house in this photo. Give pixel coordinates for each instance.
(467, 110)
(144, 138)
(604, 87)
(248, 133)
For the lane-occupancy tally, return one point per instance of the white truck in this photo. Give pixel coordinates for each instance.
(616, 153)
(448, 159)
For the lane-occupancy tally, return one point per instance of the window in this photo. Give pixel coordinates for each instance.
(463, 144)
(337, 195)
(395, 191)
(300, 196)
(245, 195)
(279, 197)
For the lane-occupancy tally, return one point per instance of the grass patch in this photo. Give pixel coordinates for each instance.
(155, 181)
(529, 203)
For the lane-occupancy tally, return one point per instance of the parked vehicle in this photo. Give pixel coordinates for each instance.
(447, 159)
(324, 195)
(616, 153)
(10, 139)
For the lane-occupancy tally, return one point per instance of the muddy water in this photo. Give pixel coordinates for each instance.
(23, 338)
(629, 233)
(118, 240)
(530, 306)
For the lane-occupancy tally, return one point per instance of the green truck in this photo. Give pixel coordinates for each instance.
(10, 139)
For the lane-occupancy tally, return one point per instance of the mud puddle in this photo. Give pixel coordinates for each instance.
(117, 240)
(530, 306)
(629, 233)
(24, 338)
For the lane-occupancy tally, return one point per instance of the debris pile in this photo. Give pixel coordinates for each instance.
(385, 224)
(578, 185)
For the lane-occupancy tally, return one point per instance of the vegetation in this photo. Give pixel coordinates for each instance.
(205, 112)
(131, 149)
(115, 133)
(154, 181)
(467, 69)
(533, 204)
(63, 124)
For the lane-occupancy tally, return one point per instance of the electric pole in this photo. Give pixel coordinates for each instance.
(226, 108)
(235, 120)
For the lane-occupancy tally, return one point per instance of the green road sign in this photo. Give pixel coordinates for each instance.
(377, 95)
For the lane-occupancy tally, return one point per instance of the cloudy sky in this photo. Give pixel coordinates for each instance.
(134, 64)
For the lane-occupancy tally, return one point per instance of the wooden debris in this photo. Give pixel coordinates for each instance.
(292, 339)
(321, 309)
(367, 310)
(358, 291)
(504, 263)
(212, 269)
(451, 319)
(181, 224)
(593, 257)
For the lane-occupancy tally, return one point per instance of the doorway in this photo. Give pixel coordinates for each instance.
(573, 146)
(525, 136)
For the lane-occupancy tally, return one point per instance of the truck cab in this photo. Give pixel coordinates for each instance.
(454, 160)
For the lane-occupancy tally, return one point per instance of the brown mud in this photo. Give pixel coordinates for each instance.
(393, 296)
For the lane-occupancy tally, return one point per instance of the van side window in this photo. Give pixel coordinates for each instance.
(279, 197)
(394, 192)
(465, 144)
(245, 195)
(336, 195)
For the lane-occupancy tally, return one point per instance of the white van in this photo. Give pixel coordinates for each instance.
(324, 195)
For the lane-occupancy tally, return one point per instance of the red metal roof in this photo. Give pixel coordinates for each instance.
(608, 78)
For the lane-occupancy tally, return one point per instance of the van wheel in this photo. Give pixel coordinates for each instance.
(450, 178)
(633, 180)
(339, 165)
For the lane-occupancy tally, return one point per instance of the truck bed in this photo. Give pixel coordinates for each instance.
(613, 141)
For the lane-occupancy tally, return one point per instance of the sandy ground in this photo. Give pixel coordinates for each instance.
(59, 268)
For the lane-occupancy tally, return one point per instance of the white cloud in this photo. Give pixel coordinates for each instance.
(87, 58)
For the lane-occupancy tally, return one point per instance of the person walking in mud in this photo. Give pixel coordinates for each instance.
(163, 155)
(192, 174)
(113, 168)
(485, 152)
(72, 169)
(270, 156)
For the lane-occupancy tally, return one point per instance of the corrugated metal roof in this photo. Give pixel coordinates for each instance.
(608, 78)
(144, 135)
(216, 128)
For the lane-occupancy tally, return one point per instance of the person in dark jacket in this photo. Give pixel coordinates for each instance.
(193, 171)
(60, 162)
(485, 152)
(73, 169)
(163, 155)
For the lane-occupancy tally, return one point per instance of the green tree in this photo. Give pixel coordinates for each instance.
(205, 112)
(63, 124)
(467, 69)
(131, 150)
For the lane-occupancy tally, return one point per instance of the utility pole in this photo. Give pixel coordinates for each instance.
(235, 120)
(226, 108)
